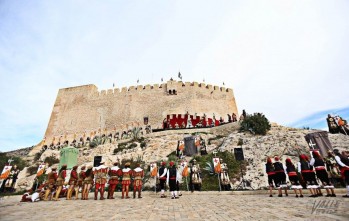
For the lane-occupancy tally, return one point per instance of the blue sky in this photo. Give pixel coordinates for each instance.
(287, 59)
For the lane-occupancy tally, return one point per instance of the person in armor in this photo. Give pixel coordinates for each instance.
(308, 174)
(162, 175)
(100, 174)
(60, 181)
(138, 175)
(293, 177)
(321, 173)
(224, 176)
(51, 182)
(270, 170)
(88, 182)
(114, 173)
(280, 176)
(73, 181)
(195, 178)
(172, 180)
(126, 180)
(82, 176)
(343, 163)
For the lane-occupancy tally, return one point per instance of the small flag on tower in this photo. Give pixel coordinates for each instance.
(179, 75)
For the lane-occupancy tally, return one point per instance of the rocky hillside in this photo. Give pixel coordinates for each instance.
(279, 141)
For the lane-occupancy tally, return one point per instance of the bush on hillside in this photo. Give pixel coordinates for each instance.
(256, 124)
(16, 161)
(51, 160)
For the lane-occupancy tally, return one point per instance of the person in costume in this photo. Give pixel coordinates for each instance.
(82, 176)
(27, 197)
(126, 180)
(293, 177)
(224, 176)
(321, 173)
(172, 180)
(343, 163)
(195, 178)
(88, 182)
(51, 182)
(100, 174)
(270, 170)
(138, 175)
(308, 174)
(114, 173)
(179, 179)
(73, 181)
(60, 181)
(280, 176)
(162, 175)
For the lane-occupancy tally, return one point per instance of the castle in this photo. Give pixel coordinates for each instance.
(83, 111)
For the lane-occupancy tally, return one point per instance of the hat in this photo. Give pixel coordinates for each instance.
(138, 164)
(171, 163)
(163, 163)
(303, 157)
(276, 158)
(53, 168)
(316, 153)
(127, 164)
(288, 160)
(336, 151)
(75, 167)
(269, 160)
(83, 167)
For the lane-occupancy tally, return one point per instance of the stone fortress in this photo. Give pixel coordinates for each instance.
(84, 111)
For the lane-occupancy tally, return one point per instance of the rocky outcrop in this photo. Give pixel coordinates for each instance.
(280, 140)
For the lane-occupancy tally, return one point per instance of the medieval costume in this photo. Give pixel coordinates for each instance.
(60, 181)
(195, 178)
(88, 182)
(26, 197)
(138, 175)
(343, 163)
(73, 181)
(162, 175)
(82, 176)
(224, 176)
(270, 170)
(308, 174)
(126, 180)
(100, 174)
(179, 179)
(172, 180)
(114, 174)
(321, 173)
(293, 177)
(280, 176)
(51, 182)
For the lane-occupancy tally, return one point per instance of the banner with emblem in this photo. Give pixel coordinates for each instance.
(5, 172)
(185, 170)
(217, 165)
(41, 169)
(153, 170)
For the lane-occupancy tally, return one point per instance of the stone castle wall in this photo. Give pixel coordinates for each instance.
(84, 109)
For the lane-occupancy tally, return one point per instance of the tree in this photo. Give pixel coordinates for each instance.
(256, 124)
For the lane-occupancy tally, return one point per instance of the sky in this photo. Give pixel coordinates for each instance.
(286, 59)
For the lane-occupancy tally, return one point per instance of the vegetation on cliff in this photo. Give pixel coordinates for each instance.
(256, 124)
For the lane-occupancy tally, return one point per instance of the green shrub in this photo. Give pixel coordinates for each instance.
(51, 160)
(16, 161)
(37, 156)
(256, 124)
(32, 170)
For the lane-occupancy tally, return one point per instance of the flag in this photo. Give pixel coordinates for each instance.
(41, 170)
(179, 75)
(181, 145)
(153, 170)
(185, 171)
(223, 83)
(113, 85)
(137, 81)
(162, 79)
(217, 165)
(5, 172)
(204, 79)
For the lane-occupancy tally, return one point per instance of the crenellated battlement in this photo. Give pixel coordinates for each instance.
(180, 86)
(85, 107)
